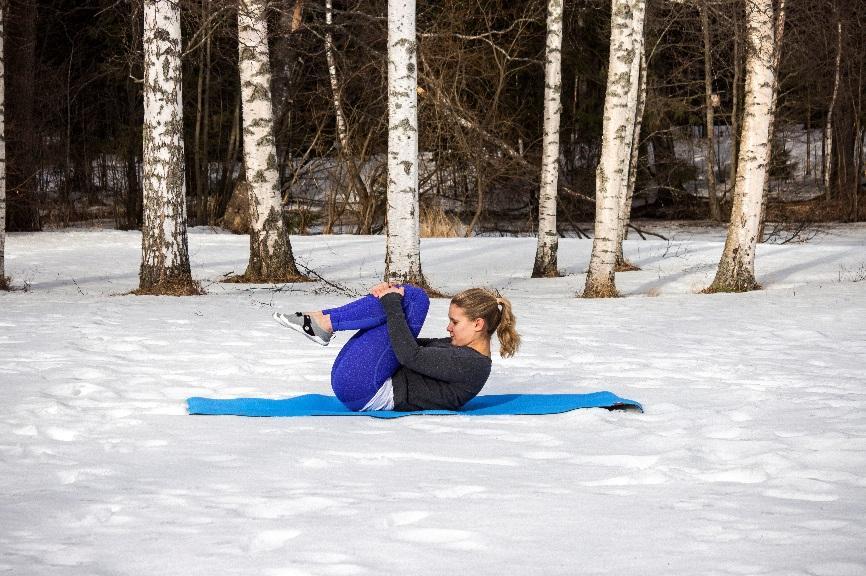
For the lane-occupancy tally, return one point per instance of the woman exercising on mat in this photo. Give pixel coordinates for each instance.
(385, 366)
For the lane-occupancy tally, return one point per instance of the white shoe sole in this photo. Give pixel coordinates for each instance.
(285, 321)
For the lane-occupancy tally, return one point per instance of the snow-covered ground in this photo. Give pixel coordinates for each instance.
(750, 458)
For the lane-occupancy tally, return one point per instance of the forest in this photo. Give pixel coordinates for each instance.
(660, 203)
(75, 84)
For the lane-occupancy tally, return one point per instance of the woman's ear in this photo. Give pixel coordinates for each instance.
(479, 325)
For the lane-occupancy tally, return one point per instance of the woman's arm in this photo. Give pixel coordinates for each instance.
(439, 363)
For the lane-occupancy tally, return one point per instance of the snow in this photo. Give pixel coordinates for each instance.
(750, 458)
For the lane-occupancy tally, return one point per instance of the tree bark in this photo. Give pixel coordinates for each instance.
(356, 183)
(403, 246)
(4, 283)
(271, 258)
(736, 271)
(779, 28)
(340, 119)
(545, 265)
(165, 258)
(623, 265)
(828, 127)
(734, 136)
(21, 132)
(200, 138)
(710, 139)
(618, 126)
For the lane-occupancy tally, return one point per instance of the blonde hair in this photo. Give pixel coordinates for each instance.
(497, 314)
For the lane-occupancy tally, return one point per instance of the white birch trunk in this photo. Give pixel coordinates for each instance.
(342, 132)
(356, 183)
(618, 124)
(3, 281)
(403, 247)
(548, 238)
(623, 265)
(165, 257)
(736, 272)
(779, 28)
(271, 258)
(828, 127)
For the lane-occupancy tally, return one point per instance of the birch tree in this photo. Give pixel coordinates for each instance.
(828, 127)
(548, 238)
(403, 245)
(736, 272)
(4, 283)
(271, 258)
(356, 182)
(618, 135)
(710, 138)
(165, 257)
(623, 265)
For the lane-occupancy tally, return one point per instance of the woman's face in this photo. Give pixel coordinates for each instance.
(462, 330)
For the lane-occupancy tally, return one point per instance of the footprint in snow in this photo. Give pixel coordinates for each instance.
(458, 491)
(737, 476)
(270, 540)
(443, 537)
(406, 518)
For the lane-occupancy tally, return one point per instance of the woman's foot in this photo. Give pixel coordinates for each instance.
(308, 325)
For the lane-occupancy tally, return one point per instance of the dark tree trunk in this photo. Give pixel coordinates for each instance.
(21, 133)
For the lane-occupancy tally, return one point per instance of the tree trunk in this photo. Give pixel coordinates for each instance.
(227, 180)
(271, 258)
(284, 62)
(22, 162)
(710, 139)
(828, 127)
(165, 257)
(545, 265)
(734, 136)
(4, 283)
(200, 138)
(618, 124)
(736, 272)
(356, 183)
(342, 131)
(403, 247)
(779, 27)
(808, 167)
(623, 265)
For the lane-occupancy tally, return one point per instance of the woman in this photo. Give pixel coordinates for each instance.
(385, 366)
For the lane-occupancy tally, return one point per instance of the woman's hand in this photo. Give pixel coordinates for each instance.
(383, 288)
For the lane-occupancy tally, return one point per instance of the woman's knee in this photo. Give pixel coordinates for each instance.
(415, 295)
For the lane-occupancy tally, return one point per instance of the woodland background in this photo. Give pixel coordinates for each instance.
(74, 111)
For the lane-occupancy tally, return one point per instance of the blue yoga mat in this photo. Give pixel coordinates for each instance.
(488, 405)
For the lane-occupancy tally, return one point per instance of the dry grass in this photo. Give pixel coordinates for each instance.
(435, 223)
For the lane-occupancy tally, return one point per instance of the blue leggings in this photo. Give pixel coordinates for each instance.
(367, 360)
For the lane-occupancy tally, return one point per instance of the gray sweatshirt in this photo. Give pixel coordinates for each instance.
(433, 374)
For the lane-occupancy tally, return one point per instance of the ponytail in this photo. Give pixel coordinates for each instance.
(496, 311)
(509, 339)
